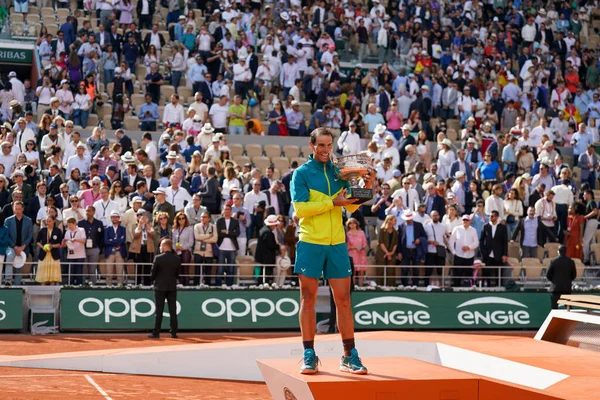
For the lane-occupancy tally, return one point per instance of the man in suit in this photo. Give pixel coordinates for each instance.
(205, 88)
(433, 201)
(124, 141)
(59, 44)
(267, 248)
(252, 61)
(20, 234)
(18, 178)
(561, 272)
(228, 229)
(69, 31)
(115, 249)
(531, 233)
(54, 180)
(116, 39)
(165, 271)
(145, 10)
(130, 178)
(494, 247)
(151, 35)
(449, 100)
(286, 179)
(102, 37)
(210, 192)
(276, 199)
(588, 162)
(63, 198)
(410, 235)
(537, 194)
(462, 165)
(404, 141)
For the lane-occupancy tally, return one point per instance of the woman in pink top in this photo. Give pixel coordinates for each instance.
(394, 120)
(357, 248)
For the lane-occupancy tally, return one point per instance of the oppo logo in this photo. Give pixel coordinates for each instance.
(494, 316)
(391, 316)
(255, 308)
(119, 308)
(2, 312)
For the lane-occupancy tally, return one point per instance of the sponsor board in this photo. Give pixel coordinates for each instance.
(429, 310)
(11, 309)
(196, 310)
(15, 56)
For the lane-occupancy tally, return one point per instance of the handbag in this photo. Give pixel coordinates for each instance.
(439, 249)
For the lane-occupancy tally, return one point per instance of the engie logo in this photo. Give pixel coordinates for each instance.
(493, 310)
(255, 308)
(118, 308)
(385, 310)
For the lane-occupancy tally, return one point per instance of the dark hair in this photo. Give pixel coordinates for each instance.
(562, 250)
(319, 132)
(168, 243)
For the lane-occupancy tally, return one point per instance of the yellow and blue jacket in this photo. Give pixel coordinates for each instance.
(314, 186)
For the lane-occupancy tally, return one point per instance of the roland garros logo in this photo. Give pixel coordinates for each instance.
(493, 310)
(287, 393)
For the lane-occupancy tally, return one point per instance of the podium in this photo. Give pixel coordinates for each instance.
(394, 378)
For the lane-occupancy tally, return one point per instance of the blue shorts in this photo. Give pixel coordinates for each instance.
(314, 260)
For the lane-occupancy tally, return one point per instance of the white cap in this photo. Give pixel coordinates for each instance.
(172, 154)
(118, 70)
(295, 103)
(408, 215)
(115, 213)
(160, 190)
(447, 142)
(379, 129)
(472, 140)
(12, 74)
(271, 220)
(389, 137)
(459, 174)
(406, 127)
(54, 99)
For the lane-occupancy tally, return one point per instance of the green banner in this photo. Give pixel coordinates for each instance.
(196, 310)
(21, 56)
(435, 310)
(11, 309)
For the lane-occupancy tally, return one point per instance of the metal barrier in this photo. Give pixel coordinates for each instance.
(492, 277)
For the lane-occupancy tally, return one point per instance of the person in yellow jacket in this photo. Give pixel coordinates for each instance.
(318, 196)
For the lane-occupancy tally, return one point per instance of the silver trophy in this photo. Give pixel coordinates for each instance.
(352, 168)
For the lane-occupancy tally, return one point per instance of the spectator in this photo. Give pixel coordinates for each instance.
(49, 243)
(228, 231)
(463, 243)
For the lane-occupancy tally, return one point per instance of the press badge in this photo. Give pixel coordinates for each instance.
(89, 244)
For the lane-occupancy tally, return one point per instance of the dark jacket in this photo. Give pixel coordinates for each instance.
(55, 238)
(439, 204)
(497, 243)
(148, 37)
(126, 144)
(165, 271)
(419, 234)
(151, 7)
(267, 247)
(561, 272)
(232, 233)
(54, 185)
(210, 192)
(32, 209)
(112, 240)
(280, 199)
(207, 95)
(540, 232)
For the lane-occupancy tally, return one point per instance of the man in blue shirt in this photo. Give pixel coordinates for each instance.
(196, 73)
(410, 235)
(148, 114)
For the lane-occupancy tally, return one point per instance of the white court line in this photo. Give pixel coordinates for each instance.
(98, 388)
(43, 375)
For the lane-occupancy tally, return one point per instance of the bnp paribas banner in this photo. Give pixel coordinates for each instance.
(115, 309)
(11, 309)
(436, 310)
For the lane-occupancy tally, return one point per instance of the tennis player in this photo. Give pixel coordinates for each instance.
(318, 197)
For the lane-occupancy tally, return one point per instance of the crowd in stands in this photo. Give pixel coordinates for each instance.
(480, 120)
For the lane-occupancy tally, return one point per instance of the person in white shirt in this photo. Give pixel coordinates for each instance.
(79, 160)
(409, 196)
(349, 141)
(178, 196)
(436, 245)
(545, 208)
(421, 215)
(18, 88)
(200, 107)
(104, 207)
(150, 145)
(463, 243)
(495, 202)
(219, 115)
(254, 196)
(390, 151)
(289, 74)
(241, 77)
(173, 112)
(459, 189)
(74, 240)
(23, 135)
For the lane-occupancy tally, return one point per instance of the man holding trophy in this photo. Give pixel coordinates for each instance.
(319, 189)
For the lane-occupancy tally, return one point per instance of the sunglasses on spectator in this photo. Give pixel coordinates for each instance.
(64, 191)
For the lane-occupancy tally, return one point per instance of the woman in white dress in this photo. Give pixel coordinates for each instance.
(230, 181)
(118, 196)
(446, 157)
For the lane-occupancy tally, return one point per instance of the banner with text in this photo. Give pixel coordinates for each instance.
(437, 310)
(11, 309)
(196, 310)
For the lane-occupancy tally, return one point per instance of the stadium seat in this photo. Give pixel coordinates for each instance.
(253, 150)
(532, 268)
(516, 267)
(373, 272)
(598, 236)
(235, 149)
(306, 151)
(299, 160)
(514, 250)
(261, 162)
(106, 109)
(281, 163)
(252, 246)
(134, 144)
(131, 123)
(106, 120)
(306, 110)
(17, 28)
(452, 134)
(241, 160)
(453, 124)
(551, 250)
(137, 100)
(245, 270)
(50, 11)
(594, 254)
(580, 267)
(93, 120)
(184, 93)
(434, 123)
(52, 28)
(48, 19)
(167, 91)
(291, 150)
(272, 150)
(62, 12)
(31, 18)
